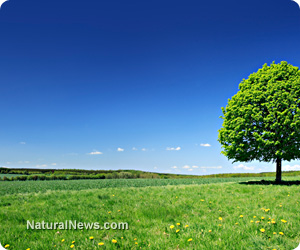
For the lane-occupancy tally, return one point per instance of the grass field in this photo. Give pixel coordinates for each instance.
(9, 175)
(213, 215)
(58, 185)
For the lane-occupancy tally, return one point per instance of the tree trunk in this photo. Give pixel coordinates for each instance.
(278, 170)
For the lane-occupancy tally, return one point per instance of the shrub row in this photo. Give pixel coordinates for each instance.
(121, 175)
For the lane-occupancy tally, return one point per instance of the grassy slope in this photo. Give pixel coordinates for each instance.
(43, 186)
(9, 175)
(138, 173)
(150, 211)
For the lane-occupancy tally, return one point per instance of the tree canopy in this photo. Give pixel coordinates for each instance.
(262, 121)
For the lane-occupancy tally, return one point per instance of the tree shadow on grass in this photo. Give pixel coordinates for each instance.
(270, 182)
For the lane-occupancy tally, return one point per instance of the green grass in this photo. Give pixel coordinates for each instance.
(150, 208)
(9, 175)
(7, 188)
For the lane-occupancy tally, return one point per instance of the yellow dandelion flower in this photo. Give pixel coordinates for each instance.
(241, 216)
(172, 226)
(257, 221)
(284, 221)
(220, 225)
(135, 243)
(113, 195)
(177, 230)
(62, 240)
(251, 221)
(122, 238)
(100, 243)
(280, 205)
(176, 197)
(274, 232)
(254, 216)
(28, 249)
(281, 233)
(201, 200)
(73, 241)
(91, 238)
(220, 218)
(236, 223)
(186, 226)
(114, 241)
(209, 231)
(72, 246)
(178, 224)
(190, 239)
(135, 239)
(269, 222)
(262, 230)
(109, 212)
(262, 218)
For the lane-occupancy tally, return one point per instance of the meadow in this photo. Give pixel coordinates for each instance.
(212, 213)
(9, 175)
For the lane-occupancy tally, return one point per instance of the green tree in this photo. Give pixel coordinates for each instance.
(262, 121)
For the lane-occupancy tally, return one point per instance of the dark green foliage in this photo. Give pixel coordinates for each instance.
(6, 178)
(262, 121)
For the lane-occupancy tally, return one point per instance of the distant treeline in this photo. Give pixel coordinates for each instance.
(76, 174)
(41, 177)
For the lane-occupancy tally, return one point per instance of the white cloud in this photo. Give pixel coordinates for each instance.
(186, 167)
(22, 142)
(176, 149)
(190, 169)
(134, 148)
(53, 164)
(120, 149)
(95, 153)
(155, 167)
(8, 162)
(242, 166)
(195, 167)
(291, 168)
(144, 149)
(205, 145)
(23, 162)
(174, 167)
(41, 166)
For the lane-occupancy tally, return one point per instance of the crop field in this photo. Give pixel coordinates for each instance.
(43, 186)
(161, 214)
(9, 175)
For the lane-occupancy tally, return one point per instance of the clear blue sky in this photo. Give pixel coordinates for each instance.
(122, 84)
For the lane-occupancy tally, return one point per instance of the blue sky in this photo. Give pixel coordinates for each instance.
(132, 84)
